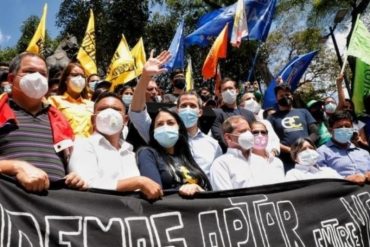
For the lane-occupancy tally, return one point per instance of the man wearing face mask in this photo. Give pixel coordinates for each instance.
(104, 160)
(290, 124)
(34, 136)
(342, 155)
(179, 83)
(229, 91)
(239, 167)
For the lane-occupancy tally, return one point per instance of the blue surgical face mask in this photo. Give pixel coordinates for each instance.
(330, 107)
(166, 136)
(343, 135)
(189, 116)
(127, 99)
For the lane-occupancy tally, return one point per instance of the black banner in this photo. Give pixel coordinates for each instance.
(307, 213)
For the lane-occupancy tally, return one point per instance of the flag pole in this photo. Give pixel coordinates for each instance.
(253, 66)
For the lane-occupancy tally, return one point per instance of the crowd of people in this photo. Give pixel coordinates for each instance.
(138, 138)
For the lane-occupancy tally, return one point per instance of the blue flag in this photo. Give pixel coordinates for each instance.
(177, 50)
(259, 17)
(291, 74)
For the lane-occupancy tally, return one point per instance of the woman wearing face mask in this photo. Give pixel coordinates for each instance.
(168, 161)
(304, 153)
(261, 139)
(72, 100)
(126, 92)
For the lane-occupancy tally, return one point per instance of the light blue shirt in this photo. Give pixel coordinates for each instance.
(205, 149)
(346, 161)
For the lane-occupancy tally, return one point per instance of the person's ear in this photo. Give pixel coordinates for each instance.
(92, 119)
(10, 78)
(200, 113)
(125, 119)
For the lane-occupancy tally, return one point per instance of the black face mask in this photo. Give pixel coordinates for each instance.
(285, 101)
(318, 115)
(179, 83)
(205, 98)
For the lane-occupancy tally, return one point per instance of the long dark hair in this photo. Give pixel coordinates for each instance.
(182, 149)
(63, 80)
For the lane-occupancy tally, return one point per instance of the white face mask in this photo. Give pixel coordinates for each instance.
(308, 157)
(229, 96)
(246, 140)
(127, 99)
(252, 106)
(109, 122)
(34, 85)
(92, 85)
(77, 83)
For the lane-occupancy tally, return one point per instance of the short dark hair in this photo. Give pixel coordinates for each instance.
(106, 94)
(283, 87)
(176, 72)
(193, 92)
(339, 115)
(15, 64)
(101, 87)
(226, 79)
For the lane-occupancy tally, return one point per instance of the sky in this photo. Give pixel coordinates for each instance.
(15, 12)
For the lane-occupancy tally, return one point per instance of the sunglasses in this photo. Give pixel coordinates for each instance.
(257, 132)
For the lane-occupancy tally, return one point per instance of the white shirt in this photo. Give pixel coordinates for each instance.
(232, 171)
(205, 149)
(100, 164)
(302, 172)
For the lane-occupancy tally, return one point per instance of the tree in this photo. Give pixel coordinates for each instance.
(7, 54)
(28, 29)
(112, 19)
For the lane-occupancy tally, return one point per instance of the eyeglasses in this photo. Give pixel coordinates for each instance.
(257, 132)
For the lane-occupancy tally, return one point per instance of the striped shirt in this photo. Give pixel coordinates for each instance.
(32, 141)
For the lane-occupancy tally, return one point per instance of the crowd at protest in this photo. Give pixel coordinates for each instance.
(136, 137)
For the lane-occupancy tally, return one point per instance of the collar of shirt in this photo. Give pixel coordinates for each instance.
(311, 169)
(238, 153)
(99, 139)
(197, 135)
(15, 106)
(69, 98)
(351, 146)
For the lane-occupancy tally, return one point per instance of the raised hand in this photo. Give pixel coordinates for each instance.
(154, 65)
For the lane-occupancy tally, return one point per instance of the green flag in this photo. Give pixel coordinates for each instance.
(361, 86)
(359, 45)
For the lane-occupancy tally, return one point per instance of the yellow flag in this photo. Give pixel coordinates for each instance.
(189, 77)
(38, 40)
(138, 53)
(122, 67)
(86, 54)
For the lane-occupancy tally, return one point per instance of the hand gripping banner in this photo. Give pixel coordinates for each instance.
(307, 213)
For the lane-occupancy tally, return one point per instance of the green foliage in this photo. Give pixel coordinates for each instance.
(112, 19)
(28, 29)
(7, 54)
